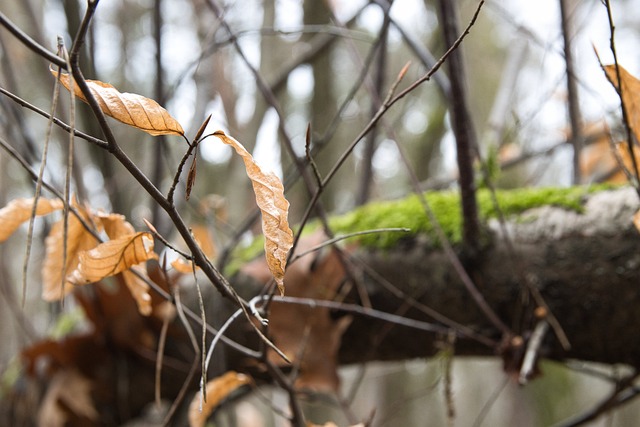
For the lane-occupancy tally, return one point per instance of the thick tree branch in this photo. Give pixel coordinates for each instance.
(585, 265)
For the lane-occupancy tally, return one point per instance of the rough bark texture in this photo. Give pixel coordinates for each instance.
(585, 265)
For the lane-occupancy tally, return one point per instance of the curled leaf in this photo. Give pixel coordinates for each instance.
(269, 191)
(115, 225)
(129, 108)
(191, 177)
(19, 211)
(112, 257)
(217, 390)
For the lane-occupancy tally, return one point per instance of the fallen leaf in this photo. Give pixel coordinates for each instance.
(78, 239)
(269, 191)
(217, 390)
(68, 395)
(113, 257)
(19, 211)
(129, 108)
(309, 336)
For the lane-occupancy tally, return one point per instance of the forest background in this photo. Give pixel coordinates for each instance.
(285, 76)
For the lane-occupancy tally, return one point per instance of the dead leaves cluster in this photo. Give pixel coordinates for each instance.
(87, 259)
(147, 115)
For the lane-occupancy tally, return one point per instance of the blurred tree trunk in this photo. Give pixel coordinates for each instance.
(322, 105)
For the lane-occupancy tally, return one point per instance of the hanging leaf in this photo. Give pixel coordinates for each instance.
(19, 211)
(129, 108)
(78, 240)
(203, 237)
(139, 288)
(182, 266)
(274, 207)
(630, 92)
(217, 390)
(113, 257)
(115, 225)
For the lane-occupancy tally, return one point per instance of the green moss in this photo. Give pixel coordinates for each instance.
(409, 213)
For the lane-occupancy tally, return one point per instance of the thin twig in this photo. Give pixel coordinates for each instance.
(67, 180)
(36, 197)
(625, 391)
(623, 106)
(31, 43)
(93, 140)
(336, 239)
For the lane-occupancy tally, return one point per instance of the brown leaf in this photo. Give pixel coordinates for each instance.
(191, 177)
(19, 211)
(139, 289)
(630, 95)
(78, 240)
(113, 257)
(115, 225)
(636, 220)
(129, 108)
(203, 237)
(309, 336)
(269, 191)
(182, 266)
(217, 390)
(68, 395)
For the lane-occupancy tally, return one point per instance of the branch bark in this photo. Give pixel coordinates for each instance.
(585, 265)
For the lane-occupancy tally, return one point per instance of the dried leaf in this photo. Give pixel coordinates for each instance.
(68, 396)
(129, 108)
(217, 390)
(113, 257)
(636, 220)
(115, 225)
(309, 336)
(191, 177)
(78, 240)
(182, 266)
(630, 93)
(139, 289)
(19, 211)
(203, 237)
(269, 191)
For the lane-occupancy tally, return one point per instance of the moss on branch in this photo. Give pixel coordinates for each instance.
(409, 213)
